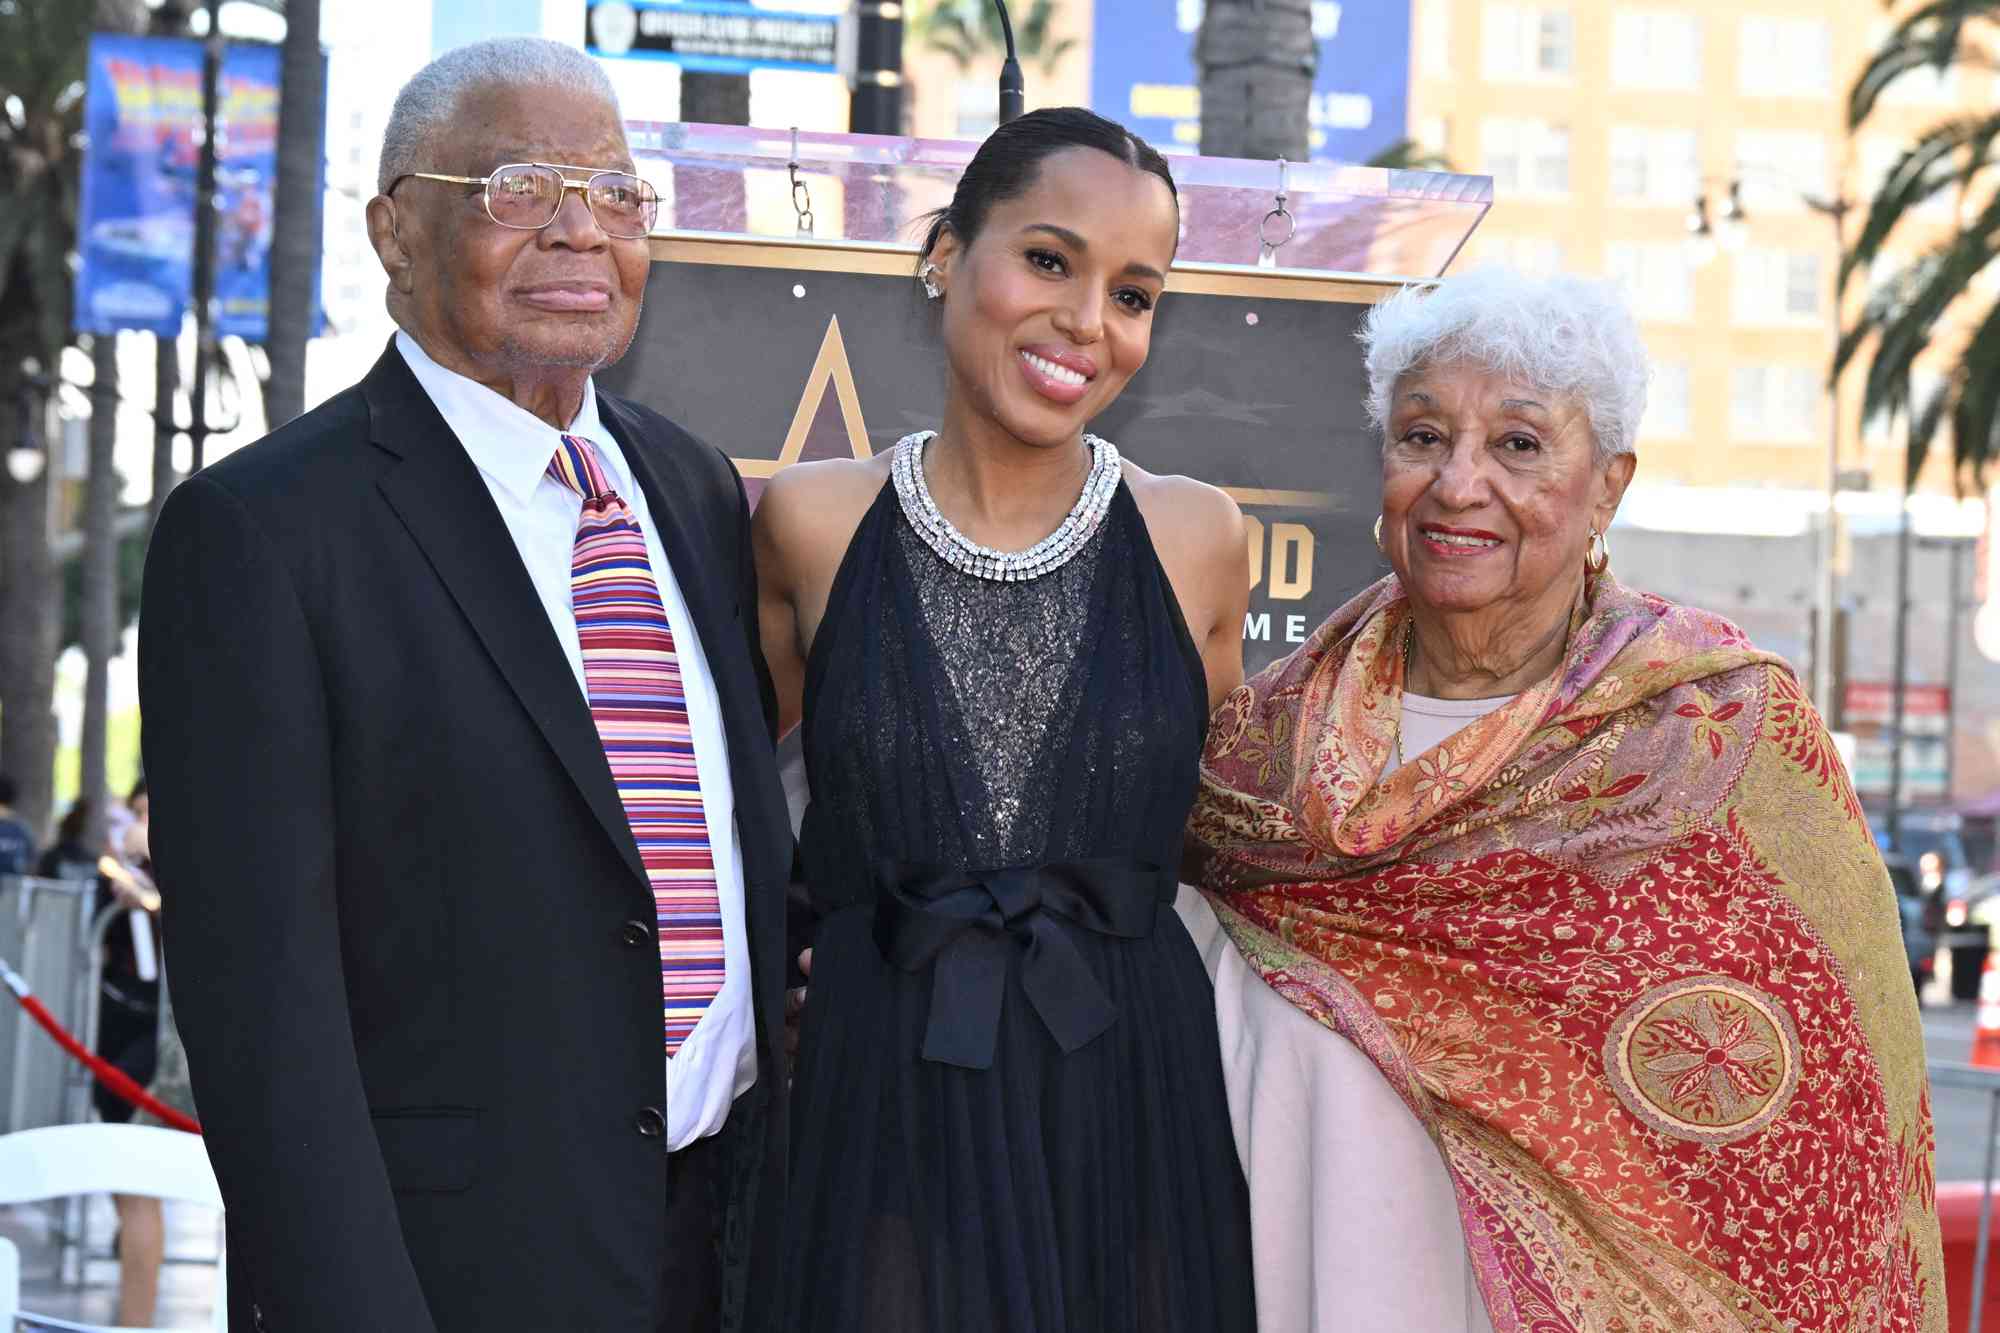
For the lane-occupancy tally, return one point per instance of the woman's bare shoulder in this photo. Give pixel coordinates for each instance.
(832, 493)
(1180, 509)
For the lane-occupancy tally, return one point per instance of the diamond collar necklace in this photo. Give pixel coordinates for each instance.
(969, 557)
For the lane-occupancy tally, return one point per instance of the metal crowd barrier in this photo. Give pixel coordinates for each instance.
(48, 934)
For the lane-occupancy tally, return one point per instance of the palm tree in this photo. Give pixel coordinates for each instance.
(1257, 60)
(1908, 310)
(43, 46)
(969, 32)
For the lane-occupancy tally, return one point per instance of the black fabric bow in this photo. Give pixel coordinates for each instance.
(970, 922)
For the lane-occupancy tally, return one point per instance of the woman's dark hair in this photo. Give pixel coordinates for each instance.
(69, 833)
(1006, 164)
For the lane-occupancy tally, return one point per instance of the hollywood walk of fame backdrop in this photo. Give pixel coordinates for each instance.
(779, 352)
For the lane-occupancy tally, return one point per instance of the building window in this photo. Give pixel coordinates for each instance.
(1775, 404)
(1653, 48)
(1529, 42)
(1785, 57)
(1780, 169)
(1777, 286)
(1654, 166)
(1667, 408)
(1434, 37)
(1656, 276)
(1528, 157)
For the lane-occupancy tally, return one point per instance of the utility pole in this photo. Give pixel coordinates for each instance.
(204, 239)
(876, 104)
(169, 20)
(1900, 672)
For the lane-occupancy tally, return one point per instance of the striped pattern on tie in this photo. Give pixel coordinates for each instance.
(632, 677)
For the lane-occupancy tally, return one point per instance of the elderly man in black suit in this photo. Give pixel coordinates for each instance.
(460, 744)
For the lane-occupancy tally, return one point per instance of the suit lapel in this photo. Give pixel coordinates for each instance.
(444, 503)
(684, 540)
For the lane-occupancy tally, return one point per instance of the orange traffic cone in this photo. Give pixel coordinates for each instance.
(1986, 1032)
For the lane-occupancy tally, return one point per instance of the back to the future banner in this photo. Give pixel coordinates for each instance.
(780, 353)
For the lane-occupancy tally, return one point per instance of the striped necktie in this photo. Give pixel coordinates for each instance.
(632, 677)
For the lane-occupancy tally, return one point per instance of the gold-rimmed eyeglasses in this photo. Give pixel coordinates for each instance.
(526, 196)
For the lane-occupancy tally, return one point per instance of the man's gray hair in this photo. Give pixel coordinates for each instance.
(1565, 335)
(430, 99)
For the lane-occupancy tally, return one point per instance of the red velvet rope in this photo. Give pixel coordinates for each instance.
(108, 1074)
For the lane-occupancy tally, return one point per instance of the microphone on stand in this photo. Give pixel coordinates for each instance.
(1012, 93)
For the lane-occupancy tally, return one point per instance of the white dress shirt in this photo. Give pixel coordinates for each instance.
(512, 448)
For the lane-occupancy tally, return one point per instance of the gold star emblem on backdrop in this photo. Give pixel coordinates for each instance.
(829, 370)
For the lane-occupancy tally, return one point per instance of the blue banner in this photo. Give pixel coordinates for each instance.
(142, 116)
(1143, 74)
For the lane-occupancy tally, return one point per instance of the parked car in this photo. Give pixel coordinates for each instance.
(1923, 915)
(1929, 845)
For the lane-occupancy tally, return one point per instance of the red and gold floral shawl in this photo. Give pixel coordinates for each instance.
(1626, 950)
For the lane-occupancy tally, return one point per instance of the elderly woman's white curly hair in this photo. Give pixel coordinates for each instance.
(1565, 335)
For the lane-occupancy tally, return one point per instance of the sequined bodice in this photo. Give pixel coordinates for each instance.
(1006, 650)
(957, 721)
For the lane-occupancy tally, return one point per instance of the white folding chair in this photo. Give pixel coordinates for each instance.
(66, 1160)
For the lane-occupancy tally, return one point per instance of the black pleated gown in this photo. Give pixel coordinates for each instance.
(1008, 1112)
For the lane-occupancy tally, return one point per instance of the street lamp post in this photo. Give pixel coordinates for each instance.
(1702, 237)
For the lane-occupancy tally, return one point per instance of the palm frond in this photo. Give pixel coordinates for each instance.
(1903, 313)
(1930, 35)
(1924, 423)
(1944, 157)
(1975, 413)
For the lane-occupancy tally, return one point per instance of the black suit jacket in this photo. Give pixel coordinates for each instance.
(425, 1042)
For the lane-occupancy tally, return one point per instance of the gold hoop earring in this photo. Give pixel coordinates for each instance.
(1378, 536)
(1597, 558)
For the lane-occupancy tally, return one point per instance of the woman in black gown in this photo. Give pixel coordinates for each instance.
(1008, 1108)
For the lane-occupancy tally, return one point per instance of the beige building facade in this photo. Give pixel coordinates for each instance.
(1607, 123)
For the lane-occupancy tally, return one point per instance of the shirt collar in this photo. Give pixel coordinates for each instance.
(507, 443)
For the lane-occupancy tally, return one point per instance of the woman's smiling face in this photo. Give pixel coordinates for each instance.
(1490, 489)
(1048, 313)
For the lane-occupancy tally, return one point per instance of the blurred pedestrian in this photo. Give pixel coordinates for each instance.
(120, 816)
(129, 1021)
(17, 840)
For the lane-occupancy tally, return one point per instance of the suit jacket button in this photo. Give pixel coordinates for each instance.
(636, 934)
(650, 1122)
(257, 1318)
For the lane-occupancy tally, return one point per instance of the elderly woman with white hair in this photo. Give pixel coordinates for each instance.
(1558, 978)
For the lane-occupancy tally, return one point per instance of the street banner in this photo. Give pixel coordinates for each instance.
(714, 36)
(779, 352)
(1143, 74)
(142, 119)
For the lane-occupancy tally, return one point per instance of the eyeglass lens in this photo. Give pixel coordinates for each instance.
(527, 196)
